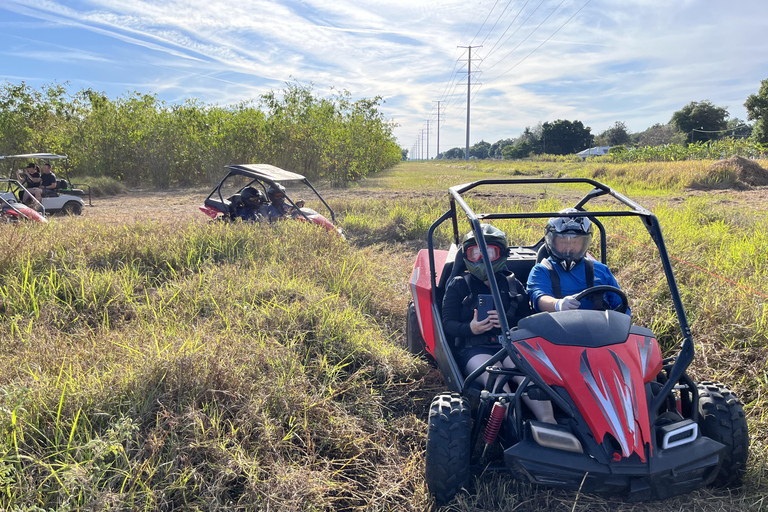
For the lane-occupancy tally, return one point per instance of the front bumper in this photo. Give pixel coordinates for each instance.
(666, 473)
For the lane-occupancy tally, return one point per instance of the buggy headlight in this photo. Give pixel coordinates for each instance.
(555, 436)
(678, 433)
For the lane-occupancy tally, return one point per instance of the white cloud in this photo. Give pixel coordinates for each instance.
(636, 61)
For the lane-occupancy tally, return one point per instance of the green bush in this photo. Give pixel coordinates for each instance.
(139, 139)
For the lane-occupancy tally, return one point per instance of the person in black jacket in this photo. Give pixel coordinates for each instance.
(475, 340)
(48, 184)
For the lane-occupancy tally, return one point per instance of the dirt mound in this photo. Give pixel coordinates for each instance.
(735, 172)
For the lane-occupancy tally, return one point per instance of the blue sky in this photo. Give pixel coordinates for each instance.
(635, 61)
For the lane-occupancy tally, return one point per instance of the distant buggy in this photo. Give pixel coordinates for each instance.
(246, 183)
(628, 420)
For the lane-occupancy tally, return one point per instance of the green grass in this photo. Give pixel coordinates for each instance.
(196, 366)
(633, 179)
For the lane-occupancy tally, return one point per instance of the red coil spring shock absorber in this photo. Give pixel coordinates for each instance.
(494, 422)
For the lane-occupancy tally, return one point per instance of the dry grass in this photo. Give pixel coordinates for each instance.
(156, 361)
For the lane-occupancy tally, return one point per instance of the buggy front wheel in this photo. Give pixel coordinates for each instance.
(721, 417)
(448, 445)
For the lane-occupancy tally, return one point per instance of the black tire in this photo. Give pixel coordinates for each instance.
(72, 208)
(413, 339)
(721, 417)
(448, 446)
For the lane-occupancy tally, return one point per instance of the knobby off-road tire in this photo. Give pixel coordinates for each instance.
(721, 417)
(448, 446)
(414, 341)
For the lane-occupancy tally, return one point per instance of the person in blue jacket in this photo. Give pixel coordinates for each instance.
(554, 282)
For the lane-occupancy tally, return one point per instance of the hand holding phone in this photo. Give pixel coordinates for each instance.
(484, 305)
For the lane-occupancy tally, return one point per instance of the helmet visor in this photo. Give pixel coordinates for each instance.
(474, 254)
(568, 246)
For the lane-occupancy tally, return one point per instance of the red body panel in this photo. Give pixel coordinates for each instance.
(25, 211)
(421, 291)
(211, 212)
(607, 384)
(317, 219)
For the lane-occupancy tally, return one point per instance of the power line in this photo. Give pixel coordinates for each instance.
(437, 152)
(493, 48)
(481, 26)
(469, 89)
(496, 22)
(529, 35)
(544, 42)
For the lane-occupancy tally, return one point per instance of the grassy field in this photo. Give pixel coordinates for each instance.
(151, 360)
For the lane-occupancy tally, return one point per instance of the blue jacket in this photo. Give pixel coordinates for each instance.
(571, 283)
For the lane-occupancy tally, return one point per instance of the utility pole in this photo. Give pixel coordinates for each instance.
(469, 82)
(427, 139)
(438, 129)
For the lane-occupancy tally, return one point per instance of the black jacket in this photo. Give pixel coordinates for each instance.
(460, 302)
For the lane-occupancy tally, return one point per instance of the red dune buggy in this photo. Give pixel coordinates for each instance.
(628, 420)
(12, 210)
(225, 200)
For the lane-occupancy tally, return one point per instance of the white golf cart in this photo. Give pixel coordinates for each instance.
(66, 198)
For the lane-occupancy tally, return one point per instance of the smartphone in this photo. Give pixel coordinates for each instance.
(484, 305)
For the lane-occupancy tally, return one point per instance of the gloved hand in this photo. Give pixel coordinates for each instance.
(567, 303)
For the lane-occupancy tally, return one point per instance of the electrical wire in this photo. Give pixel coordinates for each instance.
(543, 43)
(496, 44)
(529, 35)
(486, 19)
(496, 23)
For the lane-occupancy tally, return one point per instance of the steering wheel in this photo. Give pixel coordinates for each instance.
(599, 292)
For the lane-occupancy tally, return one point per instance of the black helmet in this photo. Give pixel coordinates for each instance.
(276, 193)
(568, 238)
(496, 241)
(252, 197)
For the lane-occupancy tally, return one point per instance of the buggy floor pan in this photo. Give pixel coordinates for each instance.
(667, 473)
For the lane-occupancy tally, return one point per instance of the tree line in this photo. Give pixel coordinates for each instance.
(139, 139)
(696, 123)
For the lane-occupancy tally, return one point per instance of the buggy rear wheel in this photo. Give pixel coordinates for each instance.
(448, 445)
(414, 341)
(721, 417)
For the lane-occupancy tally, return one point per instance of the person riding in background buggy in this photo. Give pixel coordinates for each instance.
(48, 183)
(475, 339)
(30, 178)
(554, 282)
(252, 204)
(278, 209)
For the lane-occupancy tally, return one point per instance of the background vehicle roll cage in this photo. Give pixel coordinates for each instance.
(261, 174)
(649, 220)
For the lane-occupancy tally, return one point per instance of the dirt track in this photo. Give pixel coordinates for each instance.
(143, 205)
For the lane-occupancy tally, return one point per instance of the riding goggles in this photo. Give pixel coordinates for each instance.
(474, 254)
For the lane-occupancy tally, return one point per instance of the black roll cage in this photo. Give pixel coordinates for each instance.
(649, 220)
(261, 180)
